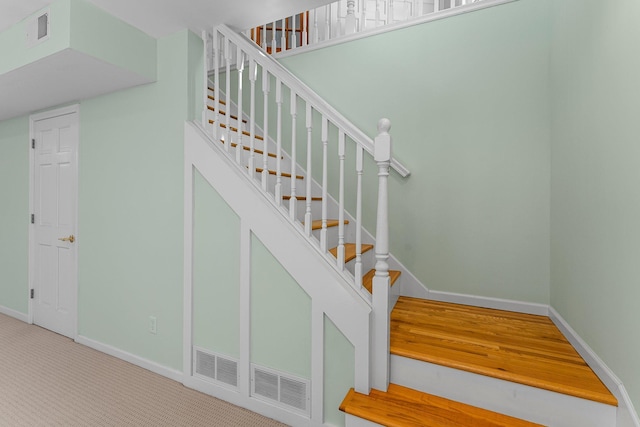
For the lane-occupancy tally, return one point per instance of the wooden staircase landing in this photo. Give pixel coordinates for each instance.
(522, 348)
(402, 407)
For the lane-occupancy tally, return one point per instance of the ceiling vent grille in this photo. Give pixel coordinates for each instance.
(281, 389)
(215, 368)
(38, 29)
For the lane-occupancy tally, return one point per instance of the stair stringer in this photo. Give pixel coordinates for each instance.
(330, 293)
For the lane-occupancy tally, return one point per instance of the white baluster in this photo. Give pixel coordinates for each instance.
(293, 205)
(363, 15)
(390, 12)
(381, 279)
(325, 176)
(316, 35)
(239, 143)
(294, 36)
(278, 190)
(264, 37)
(253, 75)
(227, 77)
(283, 36)
(327, 22)
(350, 20)
(274, 44)
(359, 171)
(217, 133)
(205, 111)
(266, 84)
(307, 214)
(378, 18)
(305, 28)
(436, 5)
(341, 156)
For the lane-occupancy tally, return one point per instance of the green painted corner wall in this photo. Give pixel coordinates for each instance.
(14, 211)
(131, 210)
(469, 107)
(103, 36)
(595, 239)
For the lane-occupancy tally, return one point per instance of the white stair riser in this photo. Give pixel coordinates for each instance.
(353, 421)
(529, 403)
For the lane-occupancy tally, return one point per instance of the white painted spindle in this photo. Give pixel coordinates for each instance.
(359, 172)
(304, 22)
(327, 22)
(350, 20)
(381, 279)
(390, 12)
(363, 15)
(307, 213)
(283, 36)
(227, 77)
(205, 111)
(278, 190)
(240, 140)
(294, 35)
(316, 36)
(274, 44)
(266, 85)
(293, 205)
(325, 171)
(263, 39)
(378, 17)
(217, 131)
(253, 75)
(341, 156)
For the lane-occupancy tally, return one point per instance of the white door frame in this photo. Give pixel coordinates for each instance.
(71, 109)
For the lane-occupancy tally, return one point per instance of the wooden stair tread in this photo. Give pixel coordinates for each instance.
(224, 113)
(367, 279)
(284, 174)
(350, 251)
(213, 99)
(403, 407)
(246, 148)
(299, 198)
(522, 348)
(233, 129)
(317, 224)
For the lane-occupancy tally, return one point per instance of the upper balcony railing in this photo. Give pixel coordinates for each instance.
(348, 17)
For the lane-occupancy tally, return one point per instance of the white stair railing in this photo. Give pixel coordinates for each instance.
(236, 58)
(346, 17)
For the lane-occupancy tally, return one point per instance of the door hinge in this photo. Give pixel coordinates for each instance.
(33, 219)
(33, 143)
(32, 293)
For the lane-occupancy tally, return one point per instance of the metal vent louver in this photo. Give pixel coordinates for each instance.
(216, 368)
(280, 389)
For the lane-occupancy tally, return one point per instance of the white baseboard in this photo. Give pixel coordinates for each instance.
(487, 302)
(627, 416)
(15, 314)
(132, 358)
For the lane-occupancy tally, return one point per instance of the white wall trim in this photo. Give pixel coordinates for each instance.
(606, 375)
(488, 302)
(15, 314)
(132, 358)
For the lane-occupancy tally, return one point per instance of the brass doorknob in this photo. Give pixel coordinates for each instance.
(69, 239)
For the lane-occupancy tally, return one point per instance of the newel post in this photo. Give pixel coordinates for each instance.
(350, 21)
(381, 280)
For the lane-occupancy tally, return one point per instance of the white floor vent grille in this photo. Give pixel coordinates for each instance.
(281, 389)
(216, 368)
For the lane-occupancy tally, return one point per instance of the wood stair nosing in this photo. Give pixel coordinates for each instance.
(317, 224)
(222, 102)
(224, 113)
(233, 129)
(350, 251)
(402, 407)
(255, 150)
(367, 279)
(283, 174)
(303, 198)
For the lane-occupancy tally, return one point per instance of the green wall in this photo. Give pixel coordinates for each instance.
(468, 99)
(14, 211)
(131, 210)
(595, 239)
(216, 272)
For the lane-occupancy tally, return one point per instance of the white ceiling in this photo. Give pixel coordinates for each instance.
(159, 18)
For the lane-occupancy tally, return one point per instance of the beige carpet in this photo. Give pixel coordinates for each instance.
(48, 380)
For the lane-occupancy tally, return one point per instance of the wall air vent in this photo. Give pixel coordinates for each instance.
(38, 29)
(281, 389)
(216, 368)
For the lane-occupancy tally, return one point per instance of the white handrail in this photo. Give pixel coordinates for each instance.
(305, 92)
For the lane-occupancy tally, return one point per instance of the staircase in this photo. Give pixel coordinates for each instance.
(426, 363)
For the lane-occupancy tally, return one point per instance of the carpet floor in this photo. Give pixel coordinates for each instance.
(48, 380)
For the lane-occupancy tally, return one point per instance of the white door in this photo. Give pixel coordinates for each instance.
(54, 270)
